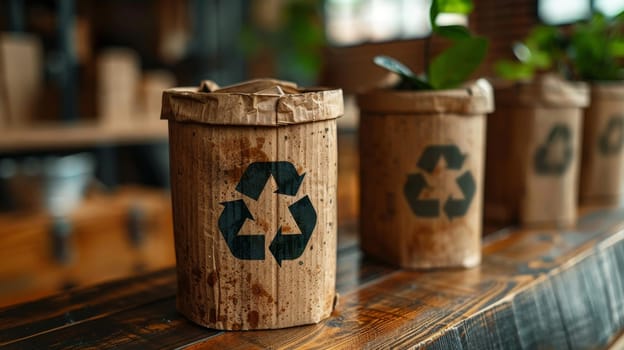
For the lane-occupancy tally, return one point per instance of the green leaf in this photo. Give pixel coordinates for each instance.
(596, 48)
(455, 65)
(393, 65)
(616, 47)
(598, 19)
(455, 32)
(408, 80)
(540, 59)
(521, 51)
(434, 11)
(532, 56)
(542, 37)
(514, 70)
(463, 7)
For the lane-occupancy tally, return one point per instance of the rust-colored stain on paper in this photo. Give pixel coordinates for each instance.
(212, 278)
(236, 155)
(212, 316)
(258, 291)
(252, 319)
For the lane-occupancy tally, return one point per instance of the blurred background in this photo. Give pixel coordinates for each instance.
(83, 154)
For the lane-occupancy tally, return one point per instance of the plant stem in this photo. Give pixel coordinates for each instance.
(426, 55)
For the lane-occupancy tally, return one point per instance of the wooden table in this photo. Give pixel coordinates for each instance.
(556, 289)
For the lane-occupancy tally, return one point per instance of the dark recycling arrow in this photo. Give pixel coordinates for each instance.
(257, 174)
(417, 182)
(542, 164)
(421, 207)
(431, 155)
(607, 144)
(246, 247)
(289, 247)
(459, 207)
(235, 213)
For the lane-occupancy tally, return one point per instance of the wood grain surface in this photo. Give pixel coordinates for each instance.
(534, 289)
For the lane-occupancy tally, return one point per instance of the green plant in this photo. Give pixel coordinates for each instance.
(597, 47)
(451, 67)
(544, 47)
(591, 50)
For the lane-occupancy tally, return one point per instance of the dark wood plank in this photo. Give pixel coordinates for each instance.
(490, 330)
(563, 311)
(535, 288)
(617, 343)
(474, 308)
(396, 311)
(153, 326)
(97, 331)
(354, 270)
(93, 309)
(69, 309)
(538, 320)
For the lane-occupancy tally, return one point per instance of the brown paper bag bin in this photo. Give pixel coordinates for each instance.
(533, 153)
(421, 172)
(253, 182)
(602, 164)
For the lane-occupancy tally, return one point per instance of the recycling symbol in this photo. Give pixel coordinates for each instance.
(612, 138)
(235, 213)
(550, 160)
(430, 208)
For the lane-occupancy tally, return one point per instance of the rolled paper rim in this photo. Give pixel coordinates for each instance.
(475, 99)
(548, 90)
(607, 89)
(259, 102)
